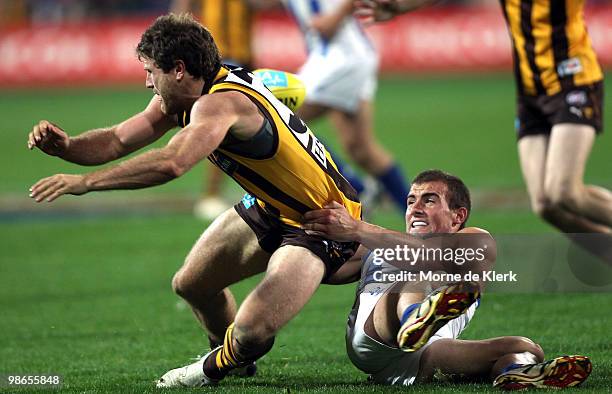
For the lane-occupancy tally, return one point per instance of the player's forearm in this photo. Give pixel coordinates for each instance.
(94, 147)
(153, 168)
(373, 237)
(328, 24)
(403, 6)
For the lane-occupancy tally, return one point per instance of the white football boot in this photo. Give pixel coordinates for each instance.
(191, 375)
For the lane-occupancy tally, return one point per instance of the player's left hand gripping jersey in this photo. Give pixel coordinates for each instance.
(284, 165)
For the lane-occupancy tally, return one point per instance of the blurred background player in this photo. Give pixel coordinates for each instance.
(340, 78)
(559, 106)
(230, 22)
(400, 332)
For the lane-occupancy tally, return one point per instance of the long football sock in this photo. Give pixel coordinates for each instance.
(394, 184)
(232, 355)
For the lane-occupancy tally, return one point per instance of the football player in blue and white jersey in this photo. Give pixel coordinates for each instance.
(340, 78)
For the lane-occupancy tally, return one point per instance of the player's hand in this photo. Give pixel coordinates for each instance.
(49, 138)
(333, 222)
(54, 186)
(371, 11)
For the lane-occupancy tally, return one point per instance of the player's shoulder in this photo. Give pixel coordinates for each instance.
(473, 230)
(222, 102)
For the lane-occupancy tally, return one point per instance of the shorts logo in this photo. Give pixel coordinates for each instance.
(248, 201)
(576, 97)
(569, 67)
(274, 79)
(576, 111)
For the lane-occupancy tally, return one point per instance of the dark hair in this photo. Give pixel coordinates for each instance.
(458, 194)
(180, 37)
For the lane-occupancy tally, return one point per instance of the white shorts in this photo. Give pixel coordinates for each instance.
(388, 365)
(338, 80)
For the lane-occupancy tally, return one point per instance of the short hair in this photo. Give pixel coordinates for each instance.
(180, 37)
(458, 194)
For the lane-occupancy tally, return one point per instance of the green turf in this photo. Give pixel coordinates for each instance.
(90, 298)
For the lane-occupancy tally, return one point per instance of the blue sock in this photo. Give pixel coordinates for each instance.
(394, 183)
(511, 367)
(347, 172)
(407, 313)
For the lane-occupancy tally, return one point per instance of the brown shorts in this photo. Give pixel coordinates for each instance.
(579, 105)
(272, 234)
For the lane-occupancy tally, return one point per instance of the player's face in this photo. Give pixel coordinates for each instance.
(163, 85)
(428, 211)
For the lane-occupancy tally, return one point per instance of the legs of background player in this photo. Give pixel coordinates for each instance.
(564, 185)
(357, 136)
(293, 275)
(477, 359)
(226, 253)
(211, 203)
(550, 177)
(309, 112)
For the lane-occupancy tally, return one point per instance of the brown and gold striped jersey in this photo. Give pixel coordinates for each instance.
(552, 49)
(284, 166)
(229, 22)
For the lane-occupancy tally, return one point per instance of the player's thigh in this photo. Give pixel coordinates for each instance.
(293, 275)
(225, 253)
(471, 358)
(309, 112)
(532, 151)
(569, 147)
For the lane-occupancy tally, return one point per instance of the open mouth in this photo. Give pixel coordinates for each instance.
(418, 224)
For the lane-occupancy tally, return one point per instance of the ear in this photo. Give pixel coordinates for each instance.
(459, 216)
(180, 70)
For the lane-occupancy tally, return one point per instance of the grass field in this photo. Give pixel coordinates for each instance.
(88, 296)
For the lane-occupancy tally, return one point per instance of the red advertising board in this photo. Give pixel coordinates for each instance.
(429, 40)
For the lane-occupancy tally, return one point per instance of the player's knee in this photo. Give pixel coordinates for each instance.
(561, 194)
(257, 335)
(518, 344)
(360, 153)
(185, 286)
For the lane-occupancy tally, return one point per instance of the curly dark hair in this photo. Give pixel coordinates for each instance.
(180, 37)
(458, 194)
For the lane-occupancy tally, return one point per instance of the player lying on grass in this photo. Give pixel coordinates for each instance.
(401, 332)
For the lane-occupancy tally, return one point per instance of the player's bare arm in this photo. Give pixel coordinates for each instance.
(371, 11)
(100, 146)
(334, 222)
(328, 24)
(212, 117)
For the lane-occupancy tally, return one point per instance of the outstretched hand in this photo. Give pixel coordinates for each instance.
(49, 138)
(54, 186)
(332, 221)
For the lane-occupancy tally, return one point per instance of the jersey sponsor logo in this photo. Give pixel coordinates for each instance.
(576, 97)
(569, 67)
(248, 201)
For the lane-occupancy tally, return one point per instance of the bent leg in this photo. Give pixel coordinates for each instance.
(480, 359)
(564, 178)
(227, 252)
(293, 275)
(357, 136)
